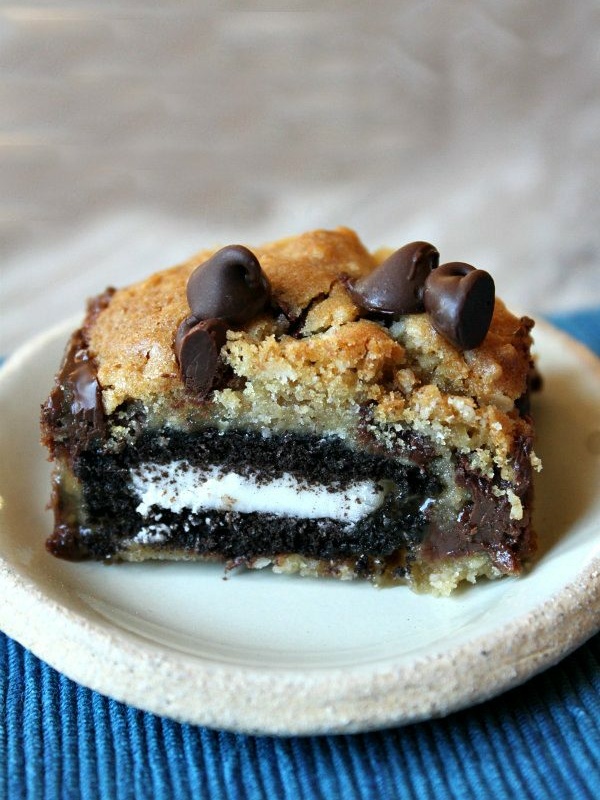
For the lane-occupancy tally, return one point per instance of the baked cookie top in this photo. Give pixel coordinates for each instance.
(132, 338)
(314, 357)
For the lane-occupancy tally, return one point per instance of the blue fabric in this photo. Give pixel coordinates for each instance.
(583, 325)
(541, 740)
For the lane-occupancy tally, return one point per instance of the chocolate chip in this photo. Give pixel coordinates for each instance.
(197, 347)
(230, 285)
(396, 286)
(184, 328)
(460, 302)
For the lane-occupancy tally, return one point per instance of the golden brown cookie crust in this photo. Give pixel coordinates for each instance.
(336, 361)
(132, 340)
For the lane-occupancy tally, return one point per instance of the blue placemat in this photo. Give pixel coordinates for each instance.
(541, 740)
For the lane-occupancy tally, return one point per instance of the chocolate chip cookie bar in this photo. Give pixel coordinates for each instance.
(306, 406)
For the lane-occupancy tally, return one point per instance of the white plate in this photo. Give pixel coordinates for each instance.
(275, 654)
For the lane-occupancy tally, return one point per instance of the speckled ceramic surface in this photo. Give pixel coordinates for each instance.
(273, 654)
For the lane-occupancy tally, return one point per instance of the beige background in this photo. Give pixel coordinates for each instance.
(134, 133)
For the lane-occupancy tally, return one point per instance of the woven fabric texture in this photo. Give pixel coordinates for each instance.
(540, 740)
(60, 740)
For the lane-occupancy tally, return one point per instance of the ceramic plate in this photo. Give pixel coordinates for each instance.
(274, 654)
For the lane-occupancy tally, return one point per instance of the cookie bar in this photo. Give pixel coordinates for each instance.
(305, 406)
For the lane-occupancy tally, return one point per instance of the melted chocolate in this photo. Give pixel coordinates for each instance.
(484, 524)
(73, 415)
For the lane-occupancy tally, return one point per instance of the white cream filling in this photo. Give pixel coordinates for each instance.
(177, 486)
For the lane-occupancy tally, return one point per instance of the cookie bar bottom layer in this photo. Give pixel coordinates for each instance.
(349, 513)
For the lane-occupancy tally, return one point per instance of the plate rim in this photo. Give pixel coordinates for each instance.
(360, 707)
(532, 635)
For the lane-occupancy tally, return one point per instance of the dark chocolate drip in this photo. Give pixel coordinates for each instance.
(73, 416)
